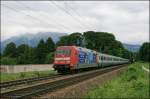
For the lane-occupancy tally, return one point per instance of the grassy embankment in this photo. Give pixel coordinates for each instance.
(131, 83)
(23, 75)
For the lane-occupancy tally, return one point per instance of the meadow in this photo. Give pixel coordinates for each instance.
(131, 83)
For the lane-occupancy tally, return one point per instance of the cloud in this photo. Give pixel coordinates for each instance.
(127, 20)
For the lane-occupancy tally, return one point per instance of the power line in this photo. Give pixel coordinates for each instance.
(27, 7)
(77, 14)
(64, 10)
(35, 18)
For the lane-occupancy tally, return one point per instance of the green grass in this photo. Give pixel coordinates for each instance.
(15, 76)
(146, 65)
(131, 83)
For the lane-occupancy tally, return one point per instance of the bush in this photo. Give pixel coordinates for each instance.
(49, 58)
(37, 73)
(8, 61)
(22, 75)
(131, 74)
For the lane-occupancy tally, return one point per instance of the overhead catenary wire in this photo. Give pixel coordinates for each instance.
(45, 22)
(38, 19)
(77, 14)
(34, 18)
(10, 21)
(68, 13)
(55, 21)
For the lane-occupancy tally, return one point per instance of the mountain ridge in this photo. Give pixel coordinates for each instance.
(132, 47)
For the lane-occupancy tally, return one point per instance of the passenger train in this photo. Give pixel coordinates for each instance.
(72, 58)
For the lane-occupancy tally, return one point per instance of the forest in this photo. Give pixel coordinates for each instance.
(43, 53)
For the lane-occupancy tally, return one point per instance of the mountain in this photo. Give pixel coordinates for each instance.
(132, 48)
(31, 39)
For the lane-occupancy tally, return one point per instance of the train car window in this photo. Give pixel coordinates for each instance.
(101, 57)
(107, 58)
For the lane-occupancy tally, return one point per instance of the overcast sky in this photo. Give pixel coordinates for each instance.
(127, 20)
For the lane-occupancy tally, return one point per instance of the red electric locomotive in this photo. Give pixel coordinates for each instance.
(70, 58)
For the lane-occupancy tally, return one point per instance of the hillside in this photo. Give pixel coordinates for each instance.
(32, 39)
(132, 48)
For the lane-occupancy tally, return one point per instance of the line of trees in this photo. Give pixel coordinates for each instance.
(144, 52)
(43, 53)
(24, 54)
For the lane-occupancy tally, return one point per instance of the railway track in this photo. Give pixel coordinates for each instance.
(55, 85)
(25, 81)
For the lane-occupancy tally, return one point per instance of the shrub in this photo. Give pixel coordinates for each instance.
(22, 75)
(8, 61)
(37, 73)
(49, 58)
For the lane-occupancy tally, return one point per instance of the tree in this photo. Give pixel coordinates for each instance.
(75, 39)
(40, 52)
(63, 41)
(0, 54)
(10, 50)
(27, 56)
(50, 45)
(21, 49)
(70, 40)
(99, 41)
(103, 42)
(144, 52)
(8, 61)
(49, 58)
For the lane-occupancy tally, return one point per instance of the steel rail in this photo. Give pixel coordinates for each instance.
(52, 86)
(26, 81)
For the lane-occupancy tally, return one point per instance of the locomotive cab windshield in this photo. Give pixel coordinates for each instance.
(65, 52)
